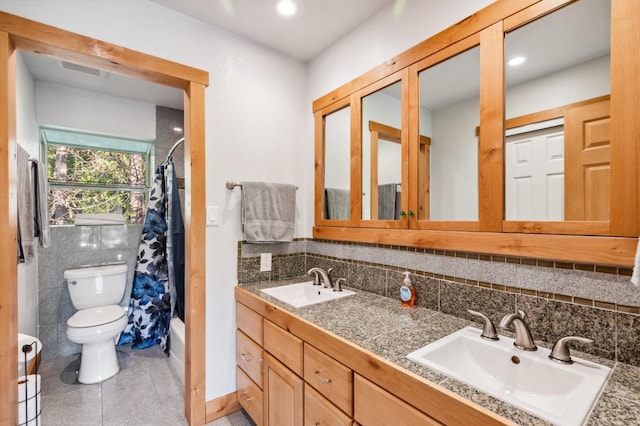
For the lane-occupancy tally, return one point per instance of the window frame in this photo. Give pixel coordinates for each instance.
(110, 144)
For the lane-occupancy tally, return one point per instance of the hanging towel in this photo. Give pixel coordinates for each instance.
(387, 201)
(635, 276)
(268, 212)
(41, 207)
(149, 314)
(26, 248)
(337, 203)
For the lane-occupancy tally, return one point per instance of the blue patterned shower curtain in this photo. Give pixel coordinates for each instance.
(150, 307)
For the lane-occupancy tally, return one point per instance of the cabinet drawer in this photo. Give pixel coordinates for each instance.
(249, 396)
(284, 346)
(375, 406)
(319, 411)
(250, 322)
(329, 377)
(249, 357)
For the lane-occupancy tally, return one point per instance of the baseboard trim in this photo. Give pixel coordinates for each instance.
(221, 407)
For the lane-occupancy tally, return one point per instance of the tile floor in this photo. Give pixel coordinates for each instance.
(146, 391)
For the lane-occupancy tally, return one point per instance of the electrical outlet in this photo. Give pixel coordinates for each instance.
(265, 262)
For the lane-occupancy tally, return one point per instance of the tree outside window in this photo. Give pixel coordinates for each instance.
(95, 174)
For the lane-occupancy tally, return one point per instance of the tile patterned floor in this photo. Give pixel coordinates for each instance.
(146, 391)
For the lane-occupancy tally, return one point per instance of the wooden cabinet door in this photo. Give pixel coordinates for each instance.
(283, 394)
(587, 163)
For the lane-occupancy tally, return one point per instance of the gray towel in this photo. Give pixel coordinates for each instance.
(387, 201)
(41, 207)
(26, 248)
(268, 212)
(337, 203)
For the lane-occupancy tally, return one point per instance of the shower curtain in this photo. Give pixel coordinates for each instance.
(175, 242)
(151, 305)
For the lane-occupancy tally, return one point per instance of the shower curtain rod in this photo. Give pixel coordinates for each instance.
(173, 148)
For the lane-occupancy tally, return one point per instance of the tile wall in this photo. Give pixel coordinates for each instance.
(71, 247)
(560, 299)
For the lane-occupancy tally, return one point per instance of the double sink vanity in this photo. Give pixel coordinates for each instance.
(353, 356)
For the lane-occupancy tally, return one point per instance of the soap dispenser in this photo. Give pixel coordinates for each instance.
(407, 292)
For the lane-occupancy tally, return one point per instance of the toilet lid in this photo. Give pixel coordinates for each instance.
(96, 316)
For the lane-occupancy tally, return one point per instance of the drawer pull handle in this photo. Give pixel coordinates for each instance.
(246, 357)
(323, 379)
(246, 399)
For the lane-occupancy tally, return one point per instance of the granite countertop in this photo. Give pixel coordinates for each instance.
(383, 326)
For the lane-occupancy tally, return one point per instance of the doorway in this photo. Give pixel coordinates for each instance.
(21, 34)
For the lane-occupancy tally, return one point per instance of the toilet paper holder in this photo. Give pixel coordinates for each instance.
(29, 385)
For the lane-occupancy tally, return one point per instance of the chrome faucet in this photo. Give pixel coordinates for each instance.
(337, 286)
(325, 276)
(524, 340)
(488, 331)
(560, 352)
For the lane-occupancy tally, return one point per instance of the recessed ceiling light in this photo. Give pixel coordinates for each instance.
(177, 129)
(286, 7)
(518, 60)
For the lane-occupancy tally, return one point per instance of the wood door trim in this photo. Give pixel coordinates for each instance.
(40, 38)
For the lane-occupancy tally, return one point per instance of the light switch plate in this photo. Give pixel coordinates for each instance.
(212, 216)
(265, 262)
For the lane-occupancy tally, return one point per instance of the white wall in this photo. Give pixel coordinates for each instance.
(386, 34)
(583, 81)
(71, 108)
(258, 127)
(454, 162)
(27, 136)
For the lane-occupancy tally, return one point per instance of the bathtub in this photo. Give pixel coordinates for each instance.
(176, 351)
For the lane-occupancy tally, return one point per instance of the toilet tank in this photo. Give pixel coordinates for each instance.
(94, 286)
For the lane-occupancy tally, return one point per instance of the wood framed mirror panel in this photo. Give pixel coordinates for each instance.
(609, 237)
(557, 145)
(381, 171)
(445, 108)
(333, 147)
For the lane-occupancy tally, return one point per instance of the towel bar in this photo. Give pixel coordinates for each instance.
(231, 185)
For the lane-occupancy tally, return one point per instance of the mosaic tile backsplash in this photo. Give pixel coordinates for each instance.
(560, 299)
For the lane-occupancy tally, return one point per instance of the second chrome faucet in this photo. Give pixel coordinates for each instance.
(322, 277)
(523, 339)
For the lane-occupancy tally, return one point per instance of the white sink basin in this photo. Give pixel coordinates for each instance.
(558, 393)
(305, 294)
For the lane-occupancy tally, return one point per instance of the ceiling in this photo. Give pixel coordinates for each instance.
(551, 43)
(316, 25)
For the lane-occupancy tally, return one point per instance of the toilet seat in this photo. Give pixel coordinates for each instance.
(92, 317)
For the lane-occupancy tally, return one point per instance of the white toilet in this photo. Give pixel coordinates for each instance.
(96, 291)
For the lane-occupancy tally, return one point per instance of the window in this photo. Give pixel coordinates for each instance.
(95, 174)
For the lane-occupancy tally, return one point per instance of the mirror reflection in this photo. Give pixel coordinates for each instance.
(381, 154)
(557, 108)
(337, 166)
(449, 114)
